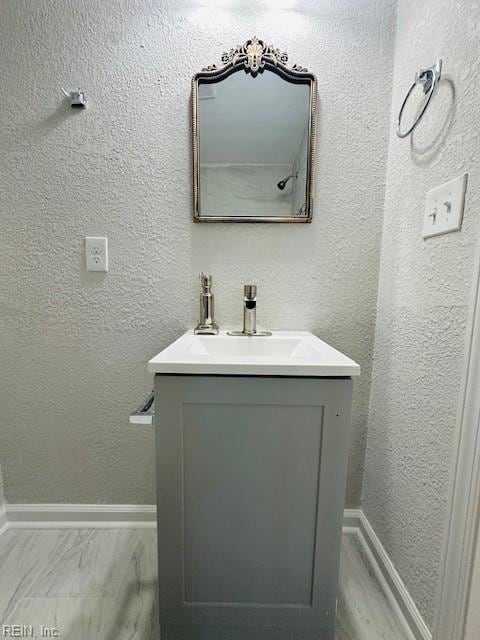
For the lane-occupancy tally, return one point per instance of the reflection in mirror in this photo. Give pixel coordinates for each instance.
(253, 146)
(253, 140)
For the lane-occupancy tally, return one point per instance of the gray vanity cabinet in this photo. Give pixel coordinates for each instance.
(251, 481)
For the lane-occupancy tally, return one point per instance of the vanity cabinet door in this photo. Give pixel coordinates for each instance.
(250, 484)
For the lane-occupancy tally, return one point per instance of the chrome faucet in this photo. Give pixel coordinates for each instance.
(249, 314)
(207, 324)
(250, 309)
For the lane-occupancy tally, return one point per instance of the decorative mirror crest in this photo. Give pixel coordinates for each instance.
(254, 54)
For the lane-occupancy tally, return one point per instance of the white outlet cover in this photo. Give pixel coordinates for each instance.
(96, 254)
(444, 207)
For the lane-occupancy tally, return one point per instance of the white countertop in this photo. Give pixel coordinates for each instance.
(284, 353)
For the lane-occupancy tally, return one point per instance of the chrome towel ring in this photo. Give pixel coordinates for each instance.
(428, 79)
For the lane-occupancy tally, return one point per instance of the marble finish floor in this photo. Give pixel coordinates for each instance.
(100, 584)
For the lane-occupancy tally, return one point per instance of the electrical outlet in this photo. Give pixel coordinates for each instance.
(444, 207)
(96, 254)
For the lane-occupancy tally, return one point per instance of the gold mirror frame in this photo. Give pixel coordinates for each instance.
(254, 56)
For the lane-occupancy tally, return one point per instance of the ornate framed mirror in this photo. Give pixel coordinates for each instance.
(253, 138)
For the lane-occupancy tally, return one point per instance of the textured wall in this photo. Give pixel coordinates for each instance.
(423, 296)
(74, 344)
(2, 495)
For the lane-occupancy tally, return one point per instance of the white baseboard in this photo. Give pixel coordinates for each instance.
(3, 520)
(72, 516)
(395, 590)
(352, 518)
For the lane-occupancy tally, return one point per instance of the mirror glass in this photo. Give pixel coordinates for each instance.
(253, 142)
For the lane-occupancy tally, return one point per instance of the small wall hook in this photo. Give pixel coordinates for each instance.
(77, 98)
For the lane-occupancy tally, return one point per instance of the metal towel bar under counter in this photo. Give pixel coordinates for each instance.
(145, 413)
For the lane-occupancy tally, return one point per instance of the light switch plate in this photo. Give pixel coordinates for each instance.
(444, 207)
(96, 254)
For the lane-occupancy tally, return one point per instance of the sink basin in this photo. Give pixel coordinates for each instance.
(284, 353)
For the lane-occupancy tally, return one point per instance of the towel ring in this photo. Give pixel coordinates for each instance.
(428, 79)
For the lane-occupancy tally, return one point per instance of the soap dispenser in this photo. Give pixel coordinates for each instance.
(207, 325)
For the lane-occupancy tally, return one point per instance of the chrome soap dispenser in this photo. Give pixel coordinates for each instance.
(207, 325)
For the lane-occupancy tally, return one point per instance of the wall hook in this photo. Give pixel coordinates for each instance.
(77, 98)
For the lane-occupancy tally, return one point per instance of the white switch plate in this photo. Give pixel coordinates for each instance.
(444, 207)
(96, 254)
